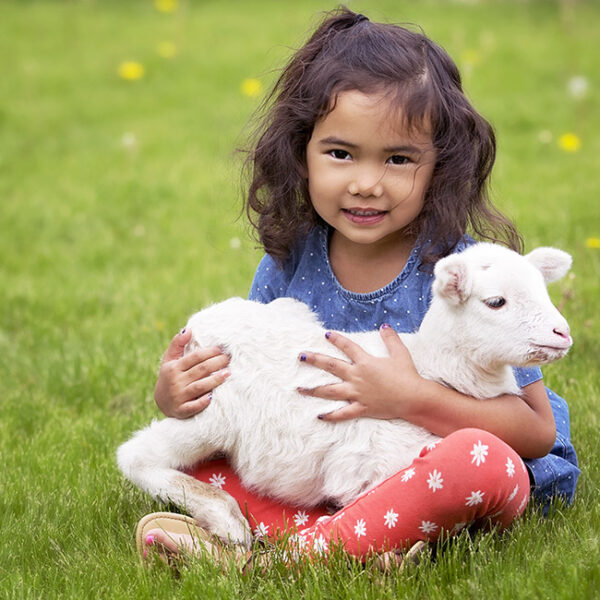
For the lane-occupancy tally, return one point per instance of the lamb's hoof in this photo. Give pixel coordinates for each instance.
(234, 532)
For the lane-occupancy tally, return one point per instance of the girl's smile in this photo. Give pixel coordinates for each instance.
(364, 216)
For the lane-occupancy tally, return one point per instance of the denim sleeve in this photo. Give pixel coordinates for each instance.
(527, 375)
(270, 281)
(555, 475)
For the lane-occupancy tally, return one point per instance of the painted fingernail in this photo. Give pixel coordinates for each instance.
(302, 357)
(386, 326)
(150, 540)
(182, 331)
(321, 417)
(328, 334)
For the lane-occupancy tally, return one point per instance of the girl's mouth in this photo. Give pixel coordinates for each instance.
(364, 216)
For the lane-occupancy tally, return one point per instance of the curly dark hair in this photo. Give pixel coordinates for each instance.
(349, 52)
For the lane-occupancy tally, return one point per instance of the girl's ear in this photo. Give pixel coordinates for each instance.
(553, 263)
(453, 282)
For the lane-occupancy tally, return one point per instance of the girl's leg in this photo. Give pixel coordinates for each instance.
(267, 517)
(470, 477)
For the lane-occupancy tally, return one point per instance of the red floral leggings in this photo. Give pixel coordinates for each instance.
(471, 477)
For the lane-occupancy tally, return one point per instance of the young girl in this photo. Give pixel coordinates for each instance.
(370, 165)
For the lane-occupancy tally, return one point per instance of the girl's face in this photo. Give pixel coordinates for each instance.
(367, 175)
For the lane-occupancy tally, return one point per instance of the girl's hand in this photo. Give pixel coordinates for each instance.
(383, 388)
(185, 383)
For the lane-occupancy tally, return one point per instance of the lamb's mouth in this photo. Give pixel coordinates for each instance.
(540, 354)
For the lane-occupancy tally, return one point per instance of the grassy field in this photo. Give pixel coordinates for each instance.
(118, 213)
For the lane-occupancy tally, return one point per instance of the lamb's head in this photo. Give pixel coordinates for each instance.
(496, 302)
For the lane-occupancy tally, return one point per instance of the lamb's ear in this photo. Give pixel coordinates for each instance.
(553, 263)
(453, 280)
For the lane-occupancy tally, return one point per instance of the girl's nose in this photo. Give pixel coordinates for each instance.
(366, 187)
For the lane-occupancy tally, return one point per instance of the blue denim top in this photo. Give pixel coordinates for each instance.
(307, 276)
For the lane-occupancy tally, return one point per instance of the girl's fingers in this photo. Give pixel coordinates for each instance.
(354, 410)
(193, 407)
(175, 349)
(351, 349)
(206, 368)
(333, 391)
(198, 356)
(206, 385)
(335, 366)
(392, 341)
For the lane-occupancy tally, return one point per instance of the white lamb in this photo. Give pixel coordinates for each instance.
(490, 309)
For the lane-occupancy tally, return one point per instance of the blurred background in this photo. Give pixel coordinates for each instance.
(120, 198)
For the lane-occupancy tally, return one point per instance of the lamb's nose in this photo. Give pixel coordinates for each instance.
(564, 333)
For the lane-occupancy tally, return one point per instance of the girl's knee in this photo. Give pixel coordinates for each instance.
(480, 442)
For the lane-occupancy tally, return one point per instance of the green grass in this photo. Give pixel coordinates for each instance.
(105, 249)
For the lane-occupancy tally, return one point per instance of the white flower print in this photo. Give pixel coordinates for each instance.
(435, 481)
(360, 528)
(514, 493)
(510, 467)
(300, 518)
(390, 518)
(297, 544)
(479, 452)
(408, 474)
(432, 445)
(522, 505)
(217, 480)
(261, 530)
(320, 545)
(475, 498)
(428, 526)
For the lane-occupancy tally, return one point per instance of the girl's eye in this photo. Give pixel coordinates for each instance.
(398, 159)
(340, 154)
(496, 302)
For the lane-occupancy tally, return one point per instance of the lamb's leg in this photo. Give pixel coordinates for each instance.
(151, 459)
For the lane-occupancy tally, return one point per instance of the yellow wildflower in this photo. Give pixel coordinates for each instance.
(166, 6)
(166, 49)
(251, 87)
(569, 142)
(131, 70)
(592, 242)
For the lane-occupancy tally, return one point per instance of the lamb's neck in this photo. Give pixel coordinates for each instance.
(442, 354)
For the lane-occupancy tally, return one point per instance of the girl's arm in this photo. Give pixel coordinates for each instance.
(389, 388)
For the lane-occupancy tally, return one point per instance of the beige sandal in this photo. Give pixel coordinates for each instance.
(176, 524)
(170, 523)
(387, 561)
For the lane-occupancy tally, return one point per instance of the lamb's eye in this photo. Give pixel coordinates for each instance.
(495, 302)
